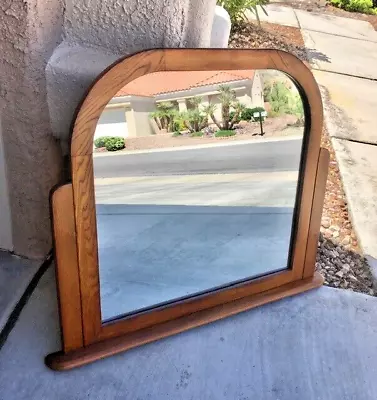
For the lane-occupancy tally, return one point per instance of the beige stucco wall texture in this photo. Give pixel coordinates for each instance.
(29, 31)
(257, 91)
(126, 26)
(141, 108)
(37, 108)
(97, 33)
(5, 221)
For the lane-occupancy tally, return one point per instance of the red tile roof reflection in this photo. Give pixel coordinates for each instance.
(174, 81)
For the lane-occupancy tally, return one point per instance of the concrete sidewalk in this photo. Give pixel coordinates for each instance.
(318, 345)
(16, 274)
(346, 71)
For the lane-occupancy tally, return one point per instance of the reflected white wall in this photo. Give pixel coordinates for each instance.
(112, 123)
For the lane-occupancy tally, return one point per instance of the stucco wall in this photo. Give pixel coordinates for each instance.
(124, 27)
(244, 96)
(37, 107)
(6, 242)
(141, 108)
(257, 91)
(97, 33)
(29, 31)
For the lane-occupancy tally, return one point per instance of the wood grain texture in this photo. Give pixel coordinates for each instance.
(87, 247)
(67, 270)
(60, 361)
(101, 92)
(316, 215)
(309, 159)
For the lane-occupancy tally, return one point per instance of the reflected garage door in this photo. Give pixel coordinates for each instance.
(112, 123)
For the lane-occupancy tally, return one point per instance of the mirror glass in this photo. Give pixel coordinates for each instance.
(195, 182)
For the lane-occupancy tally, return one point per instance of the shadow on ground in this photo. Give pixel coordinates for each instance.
(315, 55)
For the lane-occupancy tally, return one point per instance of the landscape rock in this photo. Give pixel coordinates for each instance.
(339, 274)
(343, 268)
(346, 240)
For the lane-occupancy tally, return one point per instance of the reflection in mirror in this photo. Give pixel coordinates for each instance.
(195, 183)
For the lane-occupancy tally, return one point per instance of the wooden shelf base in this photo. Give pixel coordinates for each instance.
(64, 361)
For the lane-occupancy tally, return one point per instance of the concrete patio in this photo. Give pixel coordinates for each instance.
(16, 274)
(318, 345)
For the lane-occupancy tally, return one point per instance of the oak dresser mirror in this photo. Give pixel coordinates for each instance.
(197, 191)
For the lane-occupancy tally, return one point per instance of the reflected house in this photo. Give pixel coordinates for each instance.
(128, 113)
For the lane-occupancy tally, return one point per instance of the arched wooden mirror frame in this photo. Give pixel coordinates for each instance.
(84, 337)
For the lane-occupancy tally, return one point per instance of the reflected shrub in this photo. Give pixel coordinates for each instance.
(254, 110)
(282, 100)
(111, 143)
(114, 144)
(362, 6)
(222, 133)
(196, 134)
(237, 9)
(101, 141)
(231, 116)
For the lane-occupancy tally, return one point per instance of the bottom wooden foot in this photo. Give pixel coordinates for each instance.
(60, 361)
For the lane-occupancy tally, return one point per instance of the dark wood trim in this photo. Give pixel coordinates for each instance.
(87, 247)
(64, 361)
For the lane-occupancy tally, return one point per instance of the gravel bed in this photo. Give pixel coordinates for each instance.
(336, 224)
(286, 125)
(339, 257)
(268, 36)
(343, 268)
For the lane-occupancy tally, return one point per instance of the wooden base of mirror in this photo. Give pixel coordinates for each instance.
(60, 361)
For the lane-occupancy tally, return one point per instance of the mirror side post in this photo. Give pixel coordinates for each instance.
(67, 270)
(316, 212)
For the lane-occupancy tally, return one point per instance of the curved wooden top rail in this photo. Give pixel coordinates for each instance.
(128, 69)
